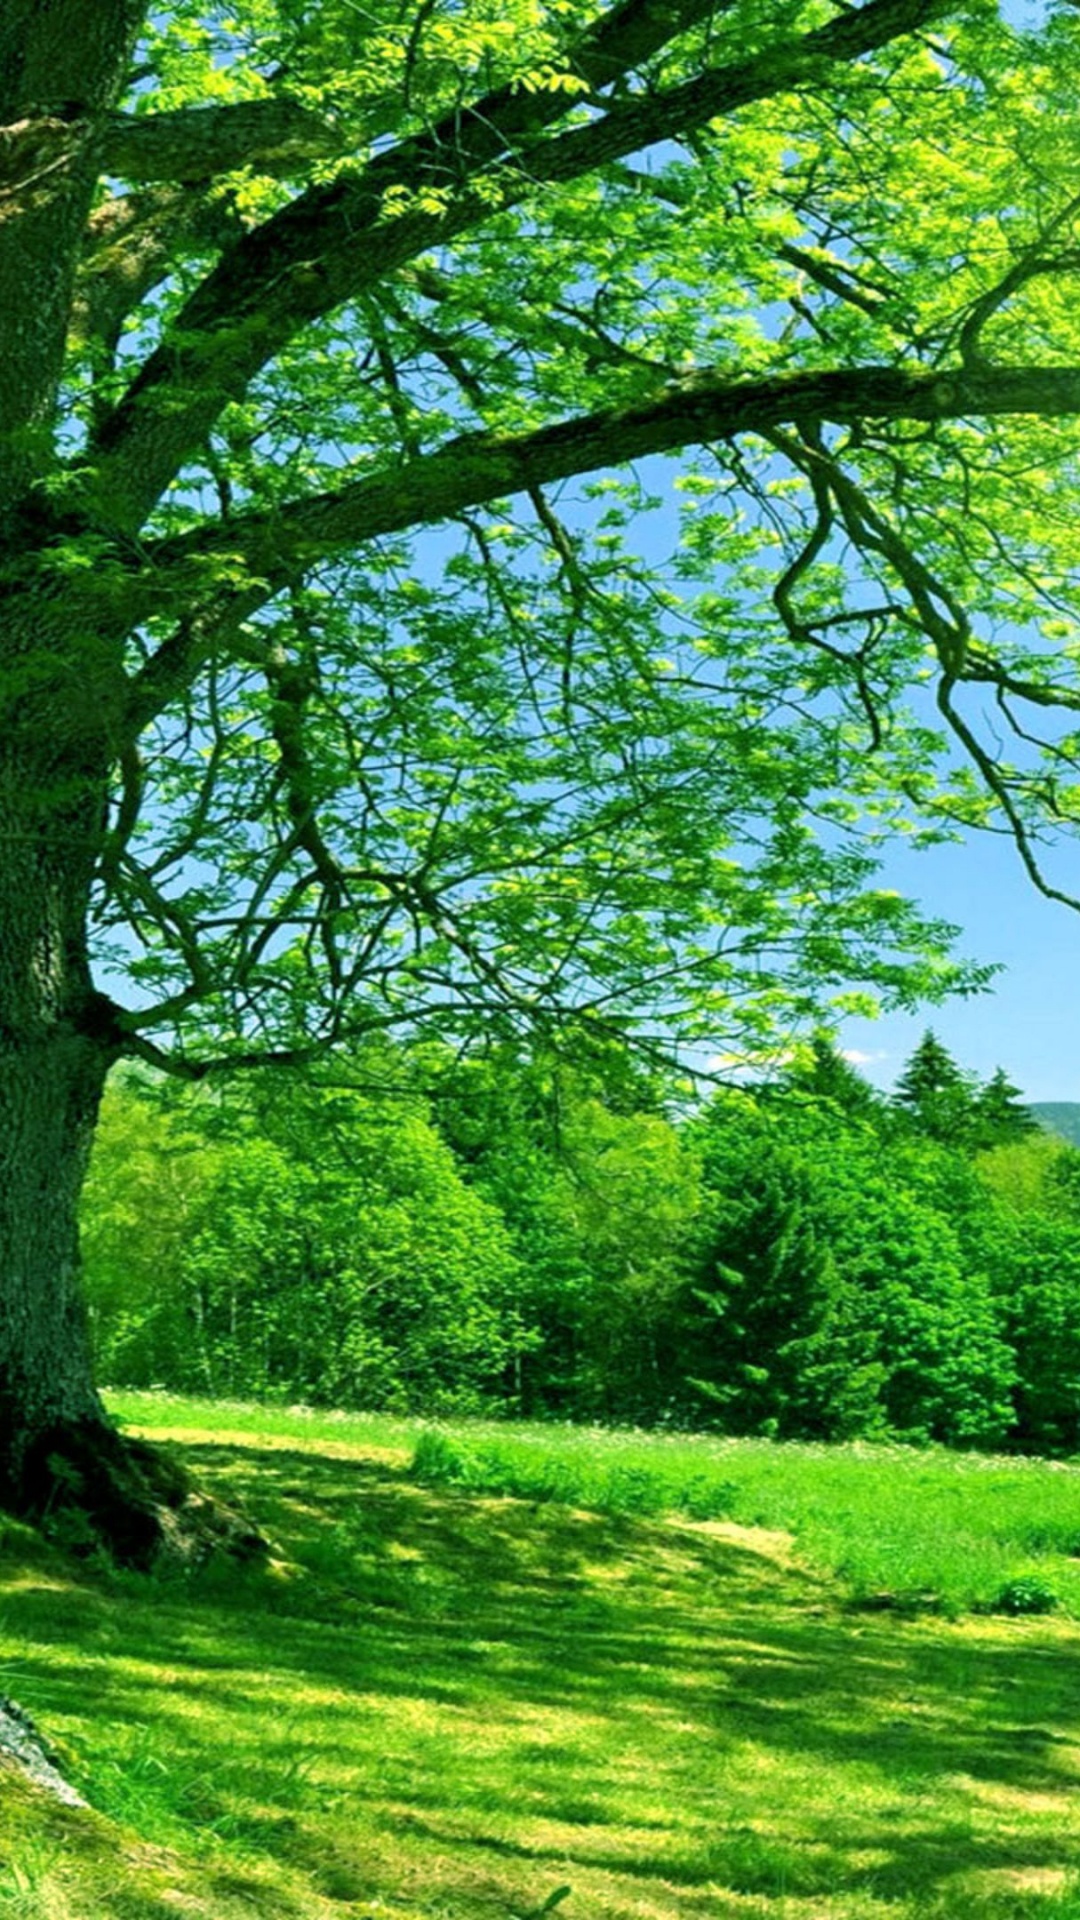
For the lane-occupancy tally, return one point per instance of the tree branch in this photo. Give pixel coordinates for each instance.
(61, 68)
(1032, 262)
(998, 784)
(338, 240)
(132, 244)
(477, 468)
(190, 144)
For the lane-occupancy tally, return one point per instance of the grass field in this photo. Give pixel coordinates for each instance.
(591, 1699)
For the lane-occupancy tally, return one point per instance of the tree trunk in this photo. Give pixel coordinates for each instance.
(49, 1092)
(60, 1459)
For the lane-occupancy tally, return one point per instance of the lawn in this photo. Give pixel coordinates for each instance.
(439, 1702)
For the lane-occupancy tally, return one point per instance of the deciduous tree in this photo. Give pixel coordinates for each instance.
(318, 1243)
(320, 716)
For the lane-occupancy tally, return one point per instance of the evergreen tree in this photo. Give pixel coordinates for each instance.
(757, 1334)
(935, 1092)
(999, 1113)
(898, 1332)
(821, 1072)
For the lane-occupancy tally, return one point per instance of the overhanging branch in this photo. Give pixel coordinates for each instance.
(338, 240)
(191, 144)
(704, 407)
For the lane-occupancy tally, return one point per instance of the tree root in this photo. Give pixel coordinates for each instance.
(89, 1487)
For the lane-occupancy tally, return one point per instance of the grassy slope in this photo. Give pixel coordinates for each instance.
(921, 1526)
(439, 1706)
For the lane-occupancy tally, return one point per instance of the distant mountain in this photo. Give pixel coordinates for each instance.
(1059, 1116)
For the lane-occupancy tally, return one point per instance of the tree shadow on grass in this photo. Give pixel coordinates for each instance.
(629, 1703)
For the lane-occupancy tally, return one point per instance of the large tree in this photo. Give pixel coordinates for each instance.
(322, 716)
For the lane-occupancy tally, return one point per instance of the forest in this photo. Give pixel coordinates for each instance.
(800, 1258)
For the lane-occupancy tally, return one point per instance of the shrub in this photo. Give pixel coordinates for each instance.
(1028, 1593)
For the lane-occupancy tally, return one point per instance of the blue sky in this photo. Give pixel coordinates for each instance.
(1028, 1022)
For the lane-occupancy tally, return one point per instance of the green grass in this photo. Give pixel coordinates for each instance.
(922, 1526)
(170, 1413)
(956, 1531)
(436, 1704)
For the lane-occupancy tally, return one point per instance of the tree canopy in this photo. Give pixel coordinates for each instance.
(330, 280)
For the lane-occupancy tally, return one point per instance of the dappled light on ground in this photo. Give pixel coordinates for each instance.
(441, 1706)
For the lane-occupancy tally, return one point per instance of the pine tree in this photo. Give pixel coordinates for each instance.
(823, 1073)
(999, 1112)
(936, 1092)
(759, 1321)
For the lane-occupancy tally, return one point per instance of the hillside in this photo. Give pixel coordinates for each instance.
(1059, 1116)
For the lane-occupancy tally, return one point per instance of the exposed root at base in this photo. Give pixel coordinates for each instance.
(90, 1487)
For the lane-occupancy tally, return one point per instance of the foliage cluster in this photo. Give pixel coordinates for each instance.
(318, 1244)
(804, 1259)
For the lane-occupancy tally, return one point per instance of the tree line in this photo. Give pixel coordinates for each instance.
(801, 1258)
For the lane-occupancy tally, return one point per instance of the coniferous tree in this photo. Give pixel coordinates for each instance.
(999, 1113)
(935, 1092)
(757, 1338)
(822, 1072)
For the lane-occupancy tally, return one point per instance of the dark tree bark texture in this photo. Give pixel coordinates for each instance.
(60, 1459)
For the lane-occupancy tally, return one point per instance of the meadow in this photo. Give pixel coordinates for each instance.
(491, 1673)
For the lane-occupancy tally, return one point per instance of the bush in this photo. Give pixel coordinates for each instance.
(1028, 1593)
(325, 1249)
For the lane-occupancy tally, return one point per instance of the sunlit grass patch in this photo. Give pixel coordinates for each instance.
(157, 1412)
(914, 1528)
(441, 1705)
(917, 1529)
